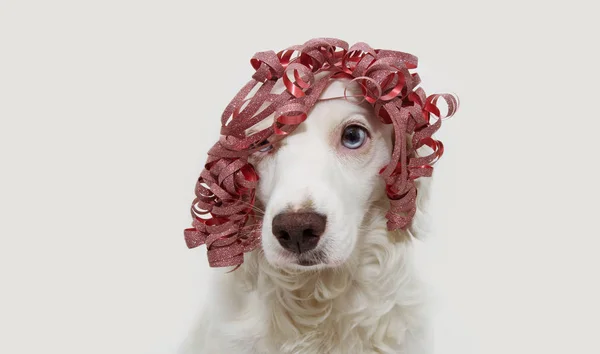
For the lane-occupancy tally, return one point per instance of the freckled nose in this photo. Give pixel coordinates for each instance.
(299, 232)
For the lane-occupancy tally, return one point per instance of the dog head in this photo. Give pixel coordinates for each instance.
(317, 184)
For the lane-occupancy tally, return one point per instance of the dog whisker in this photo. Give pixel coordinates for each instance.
(254, 208)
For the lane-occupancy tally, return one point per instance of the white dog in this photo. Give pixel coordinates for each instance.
(329, 277)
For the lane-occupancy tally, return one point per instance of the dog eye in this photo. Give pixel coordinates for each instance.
(266, 148)
(354, 136)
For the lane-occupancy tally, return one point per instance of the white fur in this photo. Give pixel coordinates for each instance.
(364, 296)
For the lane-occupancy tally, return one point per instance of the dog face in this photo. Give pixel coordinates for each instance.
(317, 184)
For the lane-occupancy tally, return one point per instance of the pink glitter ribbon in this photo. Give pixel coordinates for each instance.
(222, 212)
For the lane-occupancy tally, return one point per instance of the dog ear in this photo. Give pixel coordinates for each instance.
(421, 223)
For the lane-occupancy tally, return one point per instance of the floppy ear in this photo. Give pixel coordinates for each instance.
(420, 226)
(421, 223)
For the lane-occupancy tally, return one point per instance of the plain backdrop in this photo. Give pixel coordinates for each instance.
(107, 109)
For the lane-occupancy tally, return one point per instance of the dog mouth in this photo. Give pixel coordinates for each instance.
(309, 259)
(307, 262)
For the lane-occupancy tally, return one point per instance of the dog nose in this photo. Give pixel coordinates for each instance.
(299, 232)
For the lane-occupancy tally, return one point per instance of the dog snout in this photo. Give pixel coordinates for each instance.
(299, 231)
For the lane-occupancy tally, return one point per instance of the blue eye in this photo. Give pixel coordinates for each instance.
(354, 136)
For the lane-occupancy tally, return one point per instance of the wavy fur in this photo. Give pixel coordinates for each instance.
(373, 303)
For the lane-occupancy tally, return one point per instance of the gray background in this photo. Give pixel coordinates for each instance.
(107, 109)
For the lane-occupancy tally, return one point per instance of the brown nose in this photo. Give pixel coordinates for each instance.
(299, 232)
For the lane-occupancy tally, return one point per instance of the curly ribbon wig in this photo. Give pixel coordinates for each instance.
(225, 191)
